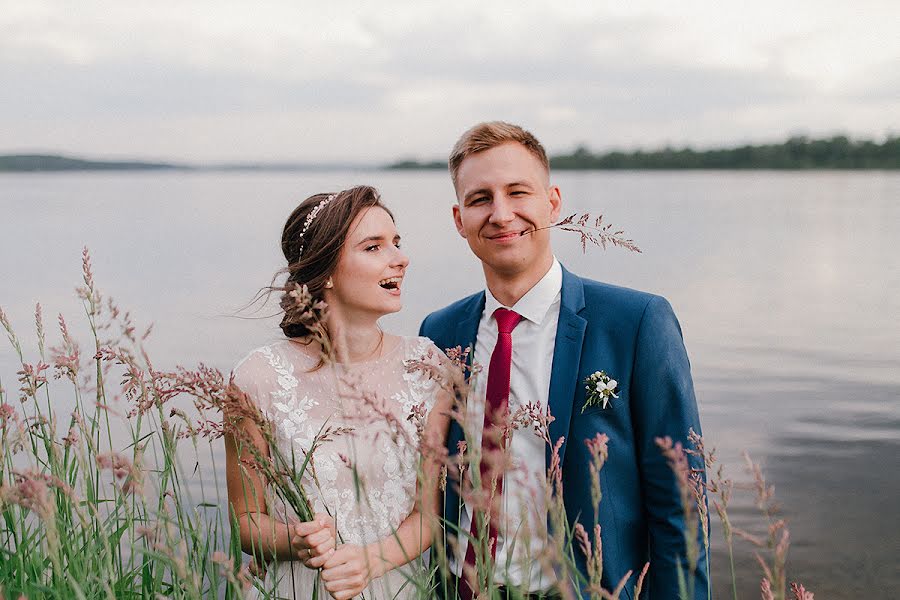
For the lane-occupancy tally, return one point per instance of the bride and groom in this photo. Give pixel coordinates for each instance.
(539, 332)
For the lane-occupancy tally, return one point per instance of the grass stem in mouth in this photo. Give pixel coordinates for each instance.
(598, 234)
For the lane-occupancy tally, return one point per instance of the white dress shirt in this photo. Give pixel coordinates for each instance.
(533, 342)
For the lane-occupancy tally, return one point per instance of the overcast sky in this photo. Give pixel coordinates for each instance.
(217, 80)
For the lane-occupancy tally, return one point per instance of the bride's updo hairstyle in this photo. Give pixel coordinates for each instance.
(313, 246)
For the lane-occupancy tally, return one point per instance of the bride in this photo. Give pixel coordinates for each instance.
(372, 517)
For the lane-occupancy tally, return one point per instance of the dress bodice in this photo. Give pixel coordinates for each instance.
(371, 410)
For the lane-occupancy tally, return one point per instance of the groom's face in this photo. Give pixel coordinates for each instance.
(503, 194)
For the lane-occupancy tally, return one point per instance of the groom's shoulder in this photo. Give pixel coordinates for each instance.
(611, 293)
(619, 300)
(456, 310)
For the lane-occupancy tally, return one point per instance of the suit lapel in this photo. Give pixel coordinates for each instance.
(566, 359)
(466, 332)
(467, 326)
(467, 319)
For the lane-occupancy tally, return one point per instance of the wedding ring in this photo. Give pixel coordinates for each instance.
(309, 553)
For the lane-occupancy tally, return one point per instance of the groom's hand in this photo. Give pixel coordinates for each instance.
(347, 571)
(314, 541)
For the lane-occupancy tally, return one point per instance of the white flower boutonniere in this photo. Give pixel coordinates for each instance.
(600, 388)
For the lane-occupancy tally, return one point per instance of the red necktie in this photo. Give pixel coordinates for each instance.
(496, 411)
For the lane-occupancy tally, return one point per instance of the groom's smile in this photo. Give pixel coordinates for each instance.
(506, 236)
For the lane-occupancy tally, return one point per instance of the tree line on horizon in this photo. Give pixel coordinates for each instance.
(798, 152)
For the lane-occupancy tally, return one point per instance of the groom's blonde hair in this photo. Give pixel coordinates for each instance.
(491, 134)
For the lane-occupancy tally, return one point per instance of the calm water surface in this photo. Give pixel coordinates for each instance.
(787, 286)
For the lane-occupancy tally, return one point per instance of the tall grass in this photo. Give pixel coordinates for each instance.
(86, 513)
(102, 494)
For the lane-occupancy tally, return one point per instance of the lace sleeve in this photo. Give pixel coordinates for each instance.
(254, 376)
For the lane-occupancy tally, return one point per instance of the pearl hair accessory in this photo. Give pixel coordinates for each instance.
(312, 215)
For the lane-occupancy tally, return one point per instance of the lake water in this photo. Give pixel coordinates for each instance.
(787, 286)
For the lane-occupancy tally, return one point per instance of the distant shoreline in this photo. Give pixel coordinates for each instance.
(55, 163)
(23, 163)
(797, 153)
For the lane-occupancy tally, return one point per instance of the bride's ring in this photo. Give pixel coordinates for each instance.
(309, 553)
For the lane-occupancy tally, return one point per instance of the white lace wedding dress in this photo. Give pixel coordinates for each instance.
(381, 446)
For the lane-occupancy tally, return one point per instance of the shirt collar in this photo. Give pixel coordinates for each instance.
(536, 301)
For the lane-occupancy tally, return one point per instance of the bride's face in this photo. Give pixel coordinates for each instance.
(370, 270)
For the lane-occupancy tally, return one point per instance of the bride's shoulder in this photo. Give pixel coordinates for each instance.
(276, 356)
(424, 351)
(418, 346)
(259, 355)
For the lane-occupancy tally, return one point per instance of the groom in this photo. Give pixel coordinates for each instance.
(540, 331)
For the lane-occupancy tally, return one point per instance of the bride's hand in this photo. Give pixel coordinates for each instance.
(313, 542)
(348, 571)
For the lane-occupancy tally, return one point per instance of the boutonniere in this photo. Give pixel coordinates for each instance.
(600, 388)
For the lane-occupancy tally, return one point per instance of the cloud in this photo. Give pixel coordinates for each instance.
(210, 81)
(143, 89)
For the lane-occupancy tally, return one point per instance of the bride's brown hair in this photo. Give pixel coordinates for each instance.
(312, 254)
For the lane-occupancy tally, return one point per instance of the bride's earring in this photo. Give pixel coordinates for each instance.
(329, 284)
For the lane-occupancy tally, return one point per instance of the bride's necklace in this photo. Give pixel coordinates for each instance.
(375, 351)
(378, 346)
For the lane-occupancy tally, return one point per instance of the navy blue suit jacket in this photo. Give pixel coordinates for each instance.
(636, 339)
